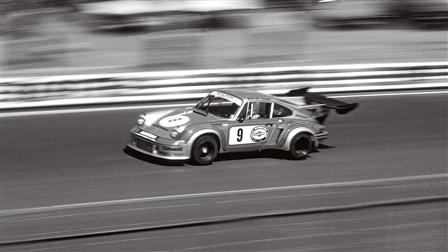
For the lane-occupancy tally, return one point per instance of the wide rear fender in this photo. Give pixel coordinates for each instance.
(296, 131)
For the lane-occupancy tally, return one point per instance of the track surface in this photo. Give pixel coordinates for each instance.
(60, 159)
(405, 228)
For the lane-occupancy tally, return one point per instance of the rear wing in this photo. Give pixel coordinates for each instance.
(314, 99)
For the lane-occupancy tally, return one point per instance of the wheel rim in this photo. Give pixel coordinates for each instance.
(206, 151)
(301, 147)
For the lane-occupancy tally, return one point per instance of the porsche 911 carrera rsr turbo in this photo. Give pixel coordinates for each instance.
(236, 121)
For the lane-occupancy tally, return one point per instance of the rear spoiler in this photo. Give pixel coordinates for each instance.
(330, 103)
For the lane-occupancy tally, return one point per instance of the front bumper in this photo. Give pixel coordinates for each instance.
(157, 147)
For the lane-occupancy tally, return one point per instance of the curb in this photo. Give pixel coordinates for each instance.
(232, 219)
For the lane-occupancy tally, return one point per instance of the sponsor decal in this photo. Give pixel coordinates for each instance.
(259, 134)
(174, 121)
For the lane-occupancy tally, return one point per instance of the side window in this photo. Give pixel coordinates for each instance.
(259, 110)
(281, 111)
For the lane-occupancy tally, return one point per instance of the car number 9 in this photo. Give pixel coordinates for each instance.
(244, 135)
(239, 135)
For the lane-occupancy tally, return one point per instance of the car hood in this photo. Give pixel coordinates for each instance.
(175, 119)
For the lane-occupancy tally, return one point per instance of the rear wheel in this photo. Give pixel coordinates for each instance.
(301, 146)
(205, 150)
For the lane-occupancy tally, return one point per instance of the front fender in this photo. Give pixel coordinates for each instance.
(199, 133)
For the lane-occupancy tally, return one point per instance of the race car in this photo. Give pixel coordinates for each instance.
(237, 121)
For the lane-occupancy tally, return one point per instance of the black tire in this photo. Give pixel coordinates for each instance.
(301, 146)
(204, 151)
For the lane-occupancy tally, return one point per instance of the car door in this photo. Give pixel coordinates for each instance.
(254, 128)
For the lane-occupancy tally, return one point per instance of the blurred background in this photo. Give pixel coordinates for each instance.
(63, 172)
(79, 36)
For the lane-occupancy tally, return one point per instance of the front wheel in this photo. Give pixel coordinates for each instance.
(205, 150)
(301, 146)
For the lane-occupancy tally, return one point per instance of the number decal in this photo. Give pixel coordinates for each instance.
(253, 134)
(239, 135)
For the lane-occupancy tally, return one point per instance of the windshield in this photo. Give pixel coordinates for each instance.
(219, 104)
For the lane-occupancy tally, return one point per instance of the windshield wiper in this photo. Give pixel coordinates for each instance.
(200, 111)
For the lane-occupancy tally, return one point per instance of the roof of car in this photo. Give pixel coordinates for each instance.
(246, 94)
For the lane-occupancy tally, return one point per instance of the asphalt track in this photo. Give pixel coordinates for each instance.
(50, 160)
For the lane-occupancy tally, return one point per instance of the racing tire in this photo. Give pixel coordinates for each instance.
(301, 146)
(204, 151)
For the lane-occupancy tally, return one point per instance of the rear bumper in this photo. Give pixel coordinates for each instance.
(322, 135)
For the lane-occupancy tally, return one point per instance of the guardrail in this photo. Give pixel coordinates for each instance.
(140, 87)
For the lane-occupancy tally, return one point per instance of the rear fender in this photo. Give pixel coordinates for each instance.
(296, 131)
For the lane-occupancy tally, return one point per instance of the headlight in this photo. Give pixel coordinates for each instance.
(141, 120)
(174, 133)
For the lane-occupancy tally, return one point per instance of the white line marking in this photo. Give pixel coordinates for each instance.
(378, 87)
(46, 217)
(390, 94)
(278, 62)
(262, 198)
(11, 212)
(89, 110)
(119, 108)
(361, 88)
(103, 100)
